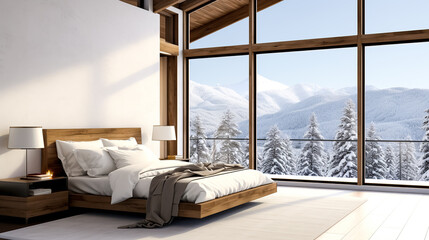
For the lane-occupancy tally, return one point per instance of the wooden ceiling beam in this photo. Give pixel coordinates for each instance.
(159, 5)
(227, 20)
(168, 49)
(192, 4)
(132, 2)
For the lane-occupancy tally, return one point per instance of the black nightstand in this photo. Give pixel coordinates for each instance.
(15, 199)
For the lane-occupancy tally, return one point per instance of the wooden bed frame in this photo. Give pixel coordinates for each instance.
(51, 162)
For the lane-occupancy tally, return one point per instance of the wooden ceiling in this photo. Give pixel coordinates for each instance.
(219, 14)
(208, 16)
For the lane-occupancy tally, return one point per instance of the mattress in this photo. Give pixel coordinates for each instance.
(197, 191)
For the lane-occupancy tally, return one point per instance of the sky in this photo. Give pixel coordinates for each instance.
(386, 66)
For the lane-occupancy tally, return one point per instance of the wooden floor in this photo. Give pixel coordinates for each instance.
(383, 216)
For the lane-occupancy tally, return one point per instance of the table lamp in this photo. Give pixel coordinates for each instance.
(27, 137)
(163, 133)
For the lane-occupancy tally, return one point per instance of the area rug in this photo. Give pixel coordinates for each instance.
(285, 215)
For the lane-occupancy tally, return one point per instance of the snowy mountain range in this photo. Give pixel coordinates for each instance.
(396, 112)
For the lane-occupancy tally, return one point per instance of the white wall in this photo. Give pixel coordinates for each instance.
(76, 64)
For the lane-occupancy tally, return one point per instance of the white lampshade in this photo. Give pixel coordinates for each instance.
(163, 133)
(25, 137)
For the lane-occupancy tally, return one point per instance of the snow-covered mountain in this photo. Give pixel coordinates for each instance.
(396, 112)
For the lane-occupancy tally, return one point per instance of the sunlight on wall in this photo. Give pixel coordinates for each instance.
(62, 66)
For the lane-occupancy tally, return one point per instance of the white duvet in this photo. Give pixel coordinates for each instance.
(123, 182)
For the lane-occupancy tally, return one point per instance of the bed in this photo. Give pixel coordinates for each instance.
(102, 201)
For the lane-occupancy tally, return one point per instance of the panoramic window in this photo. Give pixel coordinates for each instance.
(305, 19)
(219, 109)
(219, 24)
(306, 114)
(307, 91)
(396, 112)
(399, 15)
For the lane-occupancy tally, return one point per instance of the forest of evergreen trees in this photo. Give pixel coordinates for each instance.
(393, 161)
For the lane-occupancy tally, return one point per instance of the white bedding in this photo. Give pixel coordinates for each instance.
(132, 181)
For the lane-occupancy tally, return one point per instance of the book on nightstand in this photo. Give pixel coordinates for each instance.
(38, 177)
(40, 191)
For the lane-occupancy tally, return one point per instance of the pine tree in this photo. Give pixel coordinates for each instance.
(391, 162)
(424, 149)
(290, 159)
(326, 160)
(259, 161)
(199, 152)
(408, 169)
(375, 165)
(230, 150)
(310, 162)
(344, 160)
(245, 158)
(275, 153)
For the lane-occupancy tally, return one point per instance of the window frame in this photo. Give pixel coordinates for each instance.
(360, 41)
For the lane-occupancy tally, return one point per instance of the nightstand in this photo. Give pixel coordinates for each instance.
(15, 199)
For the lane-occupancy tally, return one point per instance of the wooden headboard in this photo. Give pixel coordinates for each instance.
(50, 160)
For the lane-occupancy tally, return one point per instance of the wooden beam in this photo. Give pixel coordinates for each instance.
(192, 4)
(185, 123)
(159, 5)
(252, 86)
(360, 95)
(216, 51)
(309, 44)
(172, 101)
(396, 37)
(132, 2)
(227, 20)
(168, 49)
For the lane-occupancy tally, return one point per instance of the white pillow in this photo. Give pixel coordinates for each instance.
(123, 158)
(96, 162)
(131, 142)
(142, 147)
(66, 155)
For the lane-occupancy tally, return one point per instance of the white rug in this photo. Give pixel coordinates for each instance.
(289, 214)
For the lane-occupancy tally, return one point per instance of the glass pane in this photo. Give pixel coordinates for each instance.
(396, 105)
(306, 115)
(221, 23)
(396, 15)
(219, 109)
(305, 19)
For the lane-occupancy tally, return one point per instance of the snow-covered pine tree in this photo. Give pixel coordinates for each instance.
(275, 153)
(290, 159)
(245, 157)
(375, 165)
(424, 149)
(391, 163)
(310, 162)
(326, 160)
(344, 160)
(408, 169)
(199, 152)
(230, 150)
(259, 161)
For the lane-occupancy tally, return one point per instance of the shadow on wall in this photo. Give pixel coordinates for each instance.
(3, 151)
(3, 144)
(100, 88)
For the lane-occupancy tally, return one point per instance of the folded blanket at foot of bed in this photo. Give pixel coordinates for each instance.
(167, 189)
